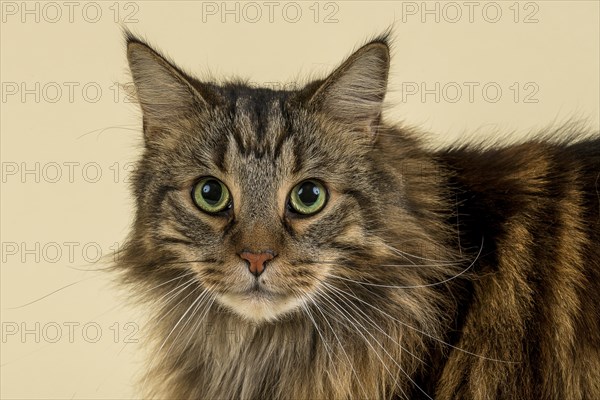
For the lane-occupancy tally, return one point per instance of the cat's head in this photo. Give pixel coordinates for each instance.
(263, 197)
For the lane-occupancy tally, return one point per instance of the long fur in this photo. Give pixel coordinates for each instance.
(470, 272)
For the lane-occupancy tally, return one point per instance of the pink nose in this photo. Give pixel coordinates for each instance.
(256, 261)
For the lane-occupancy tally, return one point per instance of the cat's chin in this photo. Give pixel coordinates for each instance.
(259, 307)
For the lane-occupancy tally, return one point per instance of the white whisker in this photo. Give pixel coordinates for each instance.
(429, 335)
(327, 349)
(320, 291)
(347, 317)
(340, 293)
(370, 320)
(415, 286)
(172, 330)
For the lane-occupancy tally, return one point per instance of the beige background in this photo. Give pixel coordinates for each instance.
(66, 345)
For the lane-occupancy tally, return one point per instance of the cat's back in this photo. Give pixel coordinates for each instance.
(533, 320)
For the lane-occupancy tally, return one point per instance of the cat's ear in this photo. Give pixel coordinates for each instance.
(163, 91)
(355, 91)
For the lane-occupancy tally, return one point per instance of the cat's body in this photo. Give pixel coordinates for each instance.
(534, 297)
(465, 273)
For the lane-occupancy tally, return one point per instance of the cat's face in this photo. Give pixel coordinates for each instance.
(275, 183)
(263, 194)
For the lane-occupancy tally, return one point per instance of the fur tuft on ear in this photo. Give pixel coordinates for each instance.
(163, 91)
(354, 92)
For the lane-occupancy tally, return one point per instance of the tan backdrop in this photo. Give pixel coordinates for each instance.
(460, 69)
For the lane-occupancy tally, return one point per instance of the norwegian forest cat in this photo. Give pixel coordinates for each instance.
(295, 245)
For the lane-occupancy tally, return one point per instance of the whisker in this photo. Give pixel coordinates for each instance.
(319, 291)
(171, 332)
(149, 289)
(407, 255)
(383, 348)
(102, 130)
(53, 292)
(202, 296)
(341, 263)
(198, 323)
(346, 315)
(415, 286)
(370, 320)
(170, 280)
(429, 335)
(185, 261)
(327, 349)
(176, 288)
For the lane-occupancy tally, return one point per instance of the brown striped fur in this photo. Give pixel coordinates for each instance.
(536, 296)
(465, 273)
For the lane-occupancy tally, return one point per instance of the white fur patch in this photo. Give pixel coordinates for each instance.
(259, 308)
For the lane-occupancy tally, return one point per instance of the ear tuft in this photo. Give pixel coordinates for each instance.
(163, 91)
(355, 91)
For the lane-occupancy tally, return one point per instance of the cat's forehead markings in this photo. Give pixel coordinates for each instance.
(242, 110)
(257, 120)
(243, 125)
(275, 126)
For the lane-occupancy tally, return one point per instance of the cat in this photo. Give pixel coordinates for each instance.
(294, 244)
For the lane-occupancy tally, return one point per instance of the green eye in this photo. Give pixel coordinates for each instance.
(308, 197)
(211, 195)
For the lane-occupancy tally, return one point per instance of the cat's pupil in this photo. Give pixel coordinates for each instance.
(212, 192)
(308, 193)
